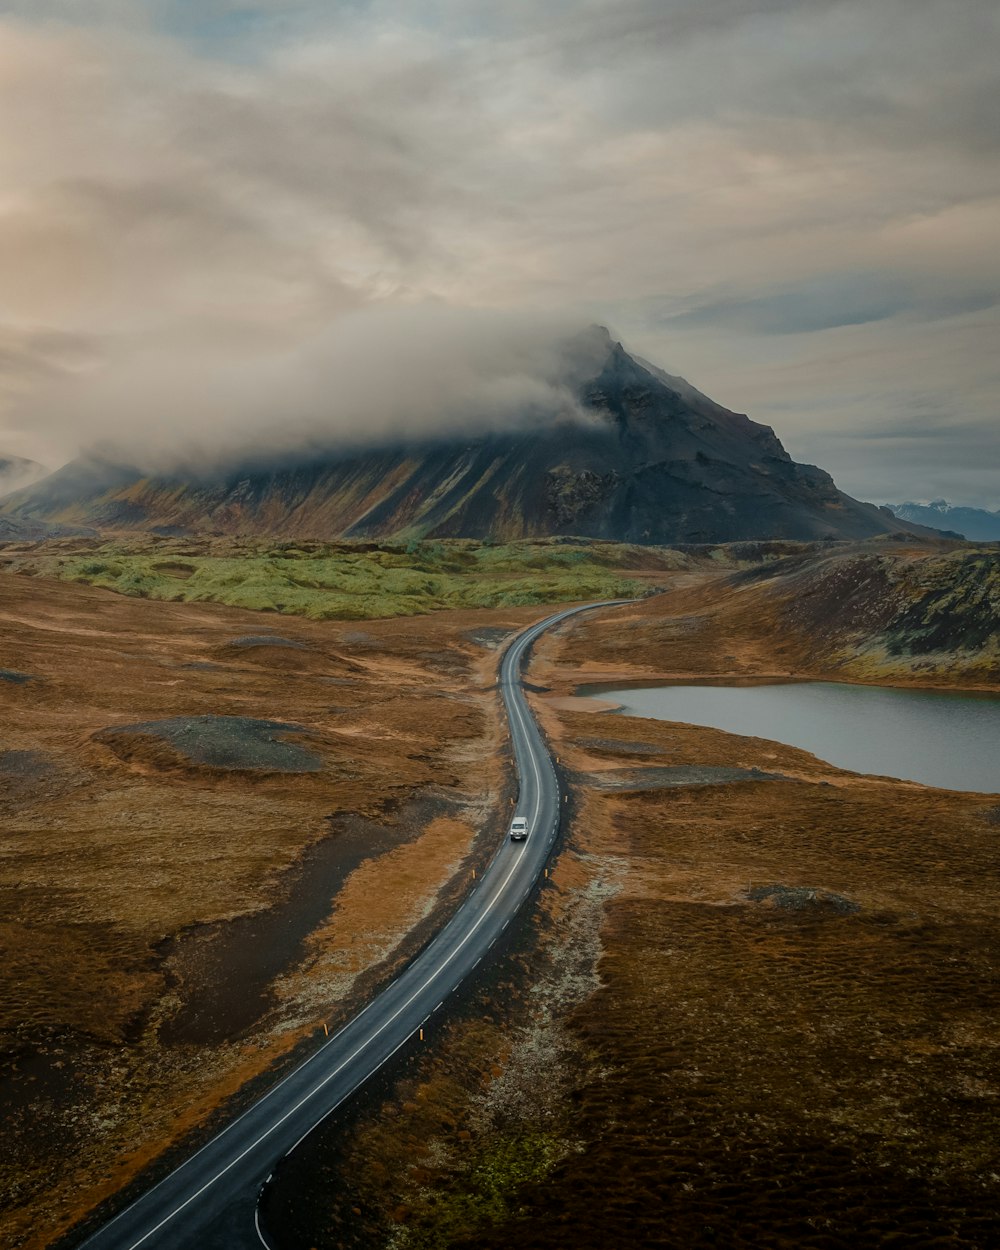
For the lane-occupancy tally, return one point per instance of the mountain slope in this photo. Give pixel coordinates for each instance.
(653, 461)
(16, 472)
(976, 524)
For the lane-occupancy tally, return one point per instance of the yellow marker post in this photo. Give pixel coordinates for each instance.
(326, 1031)
(421, 1035)
(473, 874)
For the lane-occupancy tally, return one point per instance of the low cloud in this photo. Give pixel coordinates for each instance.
(373, 376)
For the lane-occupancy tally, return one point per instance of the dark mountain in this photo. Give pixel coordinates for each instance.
(655, 461)
(977, 524)
(15, 473)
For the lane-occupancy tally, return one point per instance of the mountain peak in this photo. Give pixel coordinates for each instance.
(647, 458)
(976, 524)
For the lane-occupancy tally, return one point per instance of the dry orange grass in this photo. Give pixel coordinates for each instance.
(790, 1042)
(123, 871)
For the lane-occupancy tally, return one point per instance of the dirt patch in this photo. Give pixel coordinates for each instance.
(249, 641)
(615, 747)
(226, 973)
(370, 923)
(491, 639)
(571, 703)
(801, 898)
(24, 771)
(230, 743)
(679, 775)
(14, 678)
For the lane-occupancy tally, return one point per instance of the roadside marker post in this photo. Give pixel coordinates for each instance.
(326, 1031)
(421, 1035)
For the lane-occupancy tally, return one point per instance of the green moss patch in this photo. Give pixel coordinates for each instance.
(484, 1195)
(359, 581)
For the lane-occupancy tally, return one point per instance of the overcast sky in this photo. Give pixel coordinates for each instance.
(230, 214)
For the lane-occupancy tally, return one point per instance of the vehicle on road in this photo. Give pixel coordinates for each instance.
(518, 829)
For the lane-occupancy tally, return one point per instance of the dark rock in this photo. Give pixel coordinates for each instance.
(265, 640)
(678, 775)
(798, 898)
(616, 746)
(234, 743)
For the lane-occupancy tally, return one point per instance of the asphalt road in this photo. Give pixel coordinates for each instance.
(210, 1201)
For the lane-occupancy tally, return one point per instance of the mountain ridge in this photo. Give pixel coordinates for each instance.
(652, 461)
(975, 524)
(17, 471)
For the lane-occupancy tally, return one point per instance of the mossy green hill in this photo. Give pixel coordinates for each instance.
(357, 581)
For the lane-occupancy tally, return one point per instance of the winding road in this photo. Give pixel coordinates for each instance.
(210, 1202)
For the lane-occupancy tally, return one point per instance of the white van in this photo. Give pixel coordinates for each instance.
(518, 829)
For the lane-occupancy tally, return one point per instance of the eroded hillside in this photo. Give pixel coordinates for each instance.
(882, 612)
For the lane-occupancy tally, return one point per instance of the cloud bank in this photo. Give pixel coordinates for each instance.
(375, 375)
(270, 222)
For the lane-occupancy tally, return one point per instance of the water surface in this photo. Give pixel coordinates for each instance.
(938, 738)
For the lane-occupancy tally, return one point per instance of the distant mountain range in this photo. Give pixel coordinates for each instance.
(653, 461)
(977, 524)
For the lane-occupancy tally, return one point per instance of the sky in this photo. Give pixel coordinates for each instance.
(226, 224)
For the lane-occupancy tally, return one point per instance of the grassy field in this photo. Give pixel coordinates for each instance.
(746, 1013)
(356, 581)
(181, 899)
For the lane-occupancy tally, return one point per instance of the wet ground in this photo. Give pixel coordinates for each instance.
(225, 971)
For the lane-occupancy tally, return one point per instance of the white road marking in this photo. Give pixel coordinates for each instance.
(256, 1223)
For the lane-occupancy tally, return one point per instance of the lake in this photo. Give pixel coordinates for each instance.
(938, 738)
